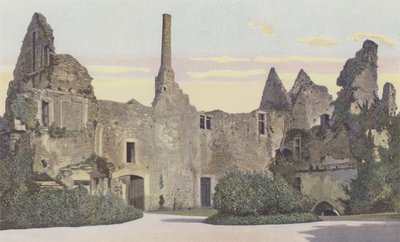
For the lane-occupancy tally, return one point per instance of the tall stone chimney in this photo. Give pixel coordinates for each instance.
(165, 80)
(166, 42)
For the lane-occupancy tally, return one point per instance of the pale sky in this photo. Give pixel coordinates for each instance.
(222, 50)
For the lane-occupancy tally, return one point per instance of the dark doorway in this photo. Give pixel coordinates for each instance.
(325, 209)
(136, 192)
(45, 114)
(205, 191)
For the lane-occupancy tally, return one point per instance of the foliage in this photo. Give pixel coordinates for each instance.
(57, 132)
(101, 164)
(16, 183)
(284, 168)
(25, 205)
(25, 109)
(224, 219)
(254, 194)
(377, 184)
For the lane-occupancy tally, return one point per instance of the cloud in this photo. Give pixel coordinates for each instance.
(384, 39)
(318, 41)
(299, 59)
(221, 59)
(265, 28)
(117, 69)
(226, 73)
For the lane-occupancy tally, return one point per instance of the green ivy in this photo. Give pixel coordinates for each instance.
(25, 109)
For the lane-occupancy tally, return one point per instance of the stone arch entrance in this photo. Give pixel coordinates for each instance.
(134, 190)
(325, 209)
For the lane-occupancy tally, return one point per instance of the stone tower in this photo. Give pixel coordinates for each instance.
(274, 95)
(358, 80)
(389, 98)
(165, 80)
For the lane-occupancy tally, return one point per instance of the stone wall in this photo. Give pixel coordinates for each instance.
(65, 110)
(309, 102)
(389, 98)
(53, 154)
(32, 57)
(327, 185)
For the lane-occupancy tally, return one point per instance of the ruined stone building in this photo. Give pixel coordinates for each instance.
(171, 151)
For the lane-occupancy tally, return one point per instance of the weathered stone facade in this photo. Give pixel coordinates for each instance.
(309, 102)
(389, 98)
(358, 79)
(169, 154)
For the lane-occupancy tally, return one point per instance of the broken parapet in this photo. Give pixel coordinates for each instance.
(358, 79)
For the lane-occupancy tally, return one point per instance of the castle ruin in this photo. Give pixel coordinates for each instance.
(171, 150)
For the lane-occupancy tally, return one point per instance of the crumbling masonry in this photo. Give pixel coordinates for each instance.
(170, 151)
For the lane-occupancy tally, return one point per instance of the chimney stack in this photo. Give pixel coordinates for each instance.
(166, 42)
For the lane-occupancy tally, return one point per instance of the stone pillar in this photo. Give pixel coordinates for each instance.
(166, 42)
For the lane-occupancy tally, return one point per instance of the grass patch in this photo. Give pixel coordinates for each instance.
(205, 212)
(222, 219)
(364, 217)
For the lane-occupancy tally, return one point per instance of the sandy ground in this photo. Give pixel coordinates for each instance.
(155, 227)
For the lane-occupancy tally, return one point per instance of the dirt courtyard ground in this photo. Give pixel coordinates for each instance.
(165, 228)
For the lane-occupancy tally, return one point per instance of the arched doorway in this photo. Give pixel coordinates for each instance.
(134, 190)
(325, 209)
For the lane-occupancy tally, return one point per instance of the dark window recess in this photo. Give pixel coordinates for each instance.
(130, 152)
(82, 182)
(261, 123)
(202, 122)
(297, 149)
(297, 184)
(45, 114)
(208, 123)
(44, 163)
(33, 51)
(46, 54)
(205, 183)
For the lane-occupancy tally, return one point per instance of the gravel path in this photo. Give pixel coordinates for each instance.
(165, 228)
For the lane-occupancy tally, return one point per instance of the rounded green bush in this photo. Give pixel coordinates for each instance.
(247, 193)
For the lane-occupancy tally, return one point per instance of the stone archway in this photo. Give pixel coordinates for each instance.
(324, 208)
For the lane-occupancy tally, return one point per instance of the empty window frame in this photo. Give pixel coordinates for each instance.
(261, 123)
(130, 152)
(205, 122)
(45, 114)
(208, 123)
(297, 184)
(202, 122)
(297, 148)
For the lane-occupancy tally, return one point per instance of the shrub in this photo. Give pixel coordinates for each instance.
(25, 205)
(25, 109)
(57, 132)
(255, 193)
(223, 219)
